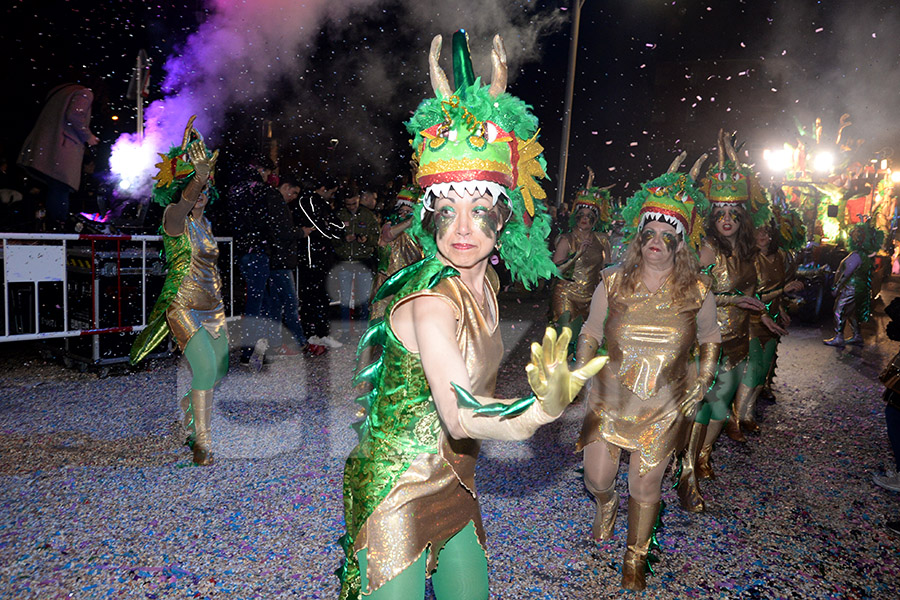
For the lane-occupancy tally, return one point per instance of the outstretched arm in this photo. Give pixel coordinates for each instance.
(427, 325)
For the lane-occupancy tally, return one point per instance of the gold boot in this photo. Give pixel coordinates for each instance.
(641, 523)
(739, 407)
(197, 411)
(607, 507)
(747, 414)
(704, 463)
(688, 486)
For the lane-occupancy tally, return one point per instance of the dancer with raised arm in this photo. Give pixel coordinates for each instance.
(190, 305)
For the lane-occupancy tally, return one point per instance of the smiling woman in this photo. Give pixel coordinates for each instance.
(409, 485)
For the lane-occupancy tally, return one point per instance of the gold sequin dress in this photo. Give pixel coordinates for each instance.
(772, 273)
(409, 487)
(732, 278)
(634, 401)
(573, 292)
(198, 302)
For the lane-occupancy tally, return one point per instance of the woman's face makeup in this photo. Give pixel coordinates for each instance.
(466, 227)
(659, 242)
(728, 220)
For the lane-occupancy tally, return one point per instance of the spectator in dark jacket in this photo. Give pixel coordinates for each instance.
(315, 215)
(252, 231)
(283, 257)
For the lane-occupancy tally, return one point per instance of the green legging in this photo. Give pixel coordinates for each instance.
(208, 357)
(716, 405)
(759, 361)
(461, 573)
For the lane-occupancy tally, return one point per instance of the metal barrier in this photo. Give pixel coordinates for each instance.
(68, 259)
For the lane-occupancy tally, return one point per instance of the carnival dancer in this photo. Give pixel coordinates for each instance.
(651, 310)
(738, 206)
(396, 247)
(409, 489)
(852, 288)
(581, 254)
(777, 242)
(190, 304)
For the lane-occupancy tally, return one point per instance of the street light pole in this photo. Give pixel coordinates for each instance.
(567, 111)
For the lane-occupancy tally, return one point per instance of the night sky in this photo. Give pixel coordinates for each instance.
(653, 77)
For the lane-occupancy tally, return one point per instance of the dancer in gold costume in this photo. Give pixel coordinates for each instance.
(190, 304)
(581, 254)
(776, 242)
(396, 247)
(652, 310)
(728, 252)
(409, 485)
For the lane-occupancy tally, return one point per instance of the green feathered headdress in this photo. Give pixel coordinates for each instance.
(673, 199)
(728, 182)
(483, 139)
(598, 201)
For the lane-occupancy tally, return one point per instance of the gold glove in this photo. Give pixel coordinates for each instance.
(706, 377)
(586, 350)
(203, 163)
(549, 376)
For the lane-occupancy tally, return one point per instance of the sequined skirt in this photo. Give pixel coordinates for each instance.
(426, 507)
(622, 419)
(572, 297)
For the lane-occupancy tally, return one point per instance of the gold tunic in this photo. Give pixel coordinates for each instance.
(435, 498)
(772, 273)
(732, 278)
(573, 293)
(634, 401)
(198, 302)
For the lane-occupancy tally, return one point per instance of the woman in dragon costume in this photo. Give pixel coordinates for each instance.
(652, 310)
(409, 488)
(738, 207)
(190, 304)
(777, 242)
(581, 254)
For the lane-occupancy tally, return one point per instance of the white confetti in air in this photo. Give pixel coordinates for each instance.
(632, 144)
(820, 30)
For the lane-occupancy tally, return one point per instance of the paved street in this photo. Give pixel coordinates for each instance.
(97, 498)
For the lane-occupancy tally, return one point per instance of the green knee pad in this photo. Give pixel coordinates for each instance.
(720, 397)
(758, 362)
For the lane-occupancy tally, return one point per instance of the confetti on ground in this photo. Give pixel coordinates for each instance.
(99, 499)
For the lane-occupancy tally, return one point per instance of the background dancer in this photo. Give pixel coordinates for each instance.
(727, 254)
(580, 255)
(190, 304)
(776, 242)
(852, 287)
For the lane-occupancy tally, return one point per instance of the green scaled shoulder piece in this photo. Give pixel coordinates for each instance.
(178, 261)
(424, 274)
